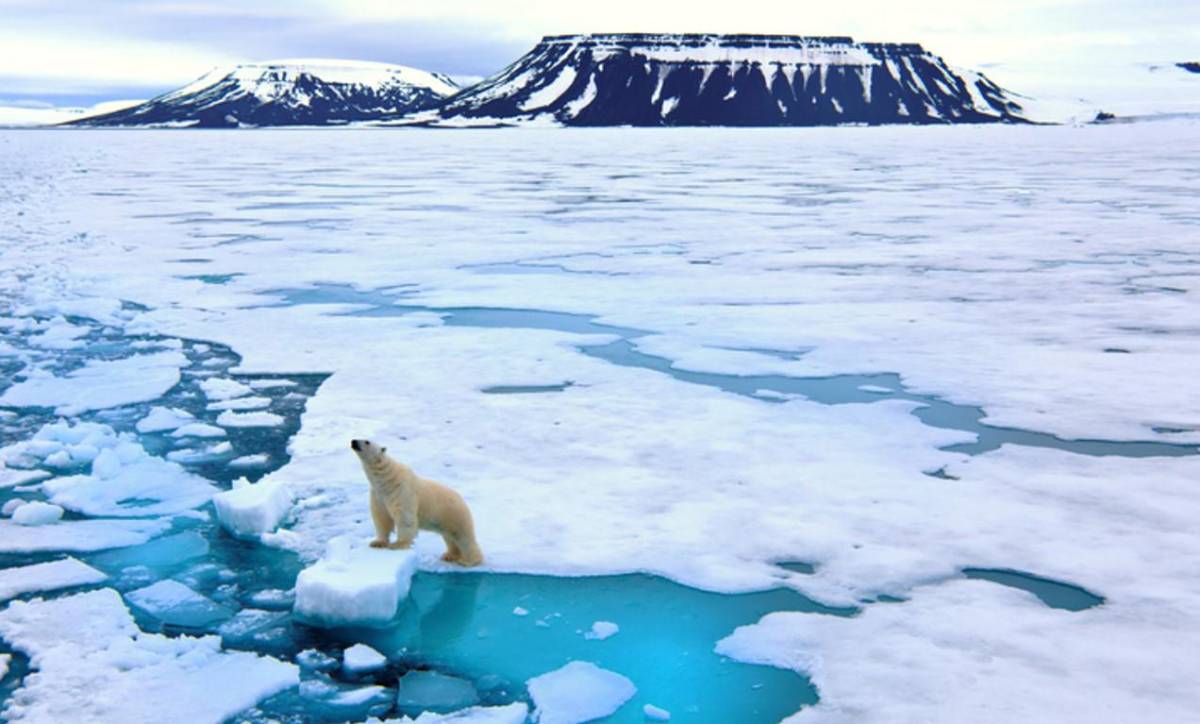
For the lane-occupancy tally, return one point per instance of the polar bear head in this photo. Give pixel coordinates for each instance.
(367, 451)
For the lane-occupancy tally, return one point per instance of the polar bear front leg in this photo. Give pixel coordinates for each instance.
(383, 522)
(406, 529)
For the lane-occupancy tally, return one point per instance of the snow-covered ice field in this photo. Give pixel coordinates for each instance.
(936, 384)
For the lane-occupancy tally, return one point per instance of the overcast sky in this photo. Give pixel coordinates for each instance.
(80, 51)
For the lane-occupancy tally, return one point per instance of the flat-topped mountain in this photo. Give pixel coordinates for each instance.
(736, 80)
(289, 93)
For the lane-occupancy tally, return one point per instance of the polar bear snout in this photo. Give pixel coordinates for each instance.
(366, 450)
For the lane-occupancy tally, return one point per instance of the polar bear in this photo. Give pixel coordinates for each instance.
(403, 501)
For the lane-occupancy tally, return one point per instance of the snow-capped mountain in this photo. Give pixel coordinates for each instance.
(736, 80)
(288, 93)
(35, 115)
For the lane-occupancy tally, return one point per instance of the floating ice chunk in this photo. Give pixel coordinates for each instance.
(107, 464)
(360, 658)
(59, 460)
(58, 434)
(37, 513)
(77, 535)
(189, 456)
(360, 586)
(430, 691)
(173, 603)
(83, 452)
(95, 665)
(325, 690)
(198, 429)
(10, 478)
(777, 395)
(273, 598)
(12, 505)
(220, 388)
(100, 384)
(241, 403)
(161, 419)
(46, 577)
(313, 660)
(515, 713)
(249, 419)
(162, 553)
(4, 661)
(171, 343)
(602, 630)
(141, 485)
(358, 696)
(60, 334)
(250, 510)
(242, 629)
(259, 460)
(875, 389)
(578, 692)
(103, 310)
(655, 713)
(518, 611)
(270, 384)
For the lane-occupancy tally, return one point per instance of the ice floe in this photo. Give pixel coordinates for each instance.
(37, 513)
(515, 713)
(78, 535)
(198, 429)
(92, 663)
(10, 478)
(229, 418)
(360, 658)
(355, 585)
(126, 481)
(257, 460)
(241, 403)
(250, 509)
(601, 630)
(171, 602)
(100, 384)
(578, 692)
(49, 576)
(220, 388)
(420, 691)
(161, 419)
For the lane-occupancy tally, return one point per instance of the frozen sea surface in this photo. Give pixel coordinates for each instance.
(906, 357)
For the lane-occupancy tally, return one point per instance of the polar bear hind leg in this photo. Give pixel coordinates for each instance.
(452, 554)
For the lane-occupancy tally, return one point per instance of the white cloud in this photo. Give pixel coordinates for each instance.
(60, 62)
